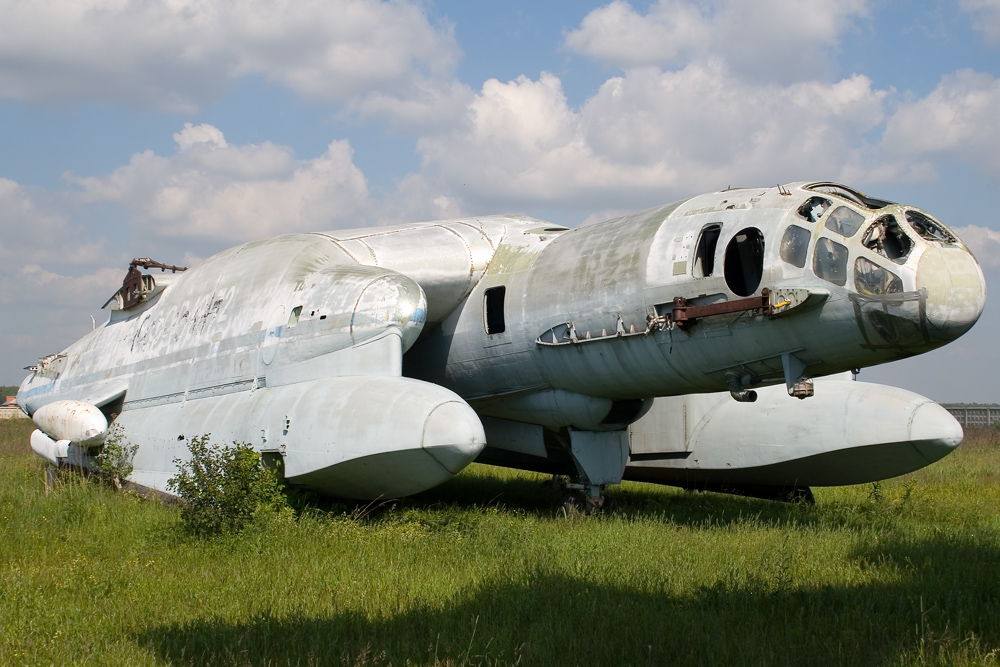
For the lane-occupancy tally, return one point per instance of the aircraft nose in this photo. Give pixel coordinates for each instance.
(454, 436)
(956, 291)
(934, 432)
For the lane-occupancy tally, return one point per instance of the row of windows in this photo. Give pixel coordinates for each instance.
(743, 262)
(830, 263)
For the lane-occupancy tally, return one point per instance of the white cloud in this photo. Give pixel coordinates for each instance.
(984, 244)
(777, 40)
(213, 190)
(35, 230)
(54, 276)
(179, 54)
(650, 134)
(986, 17)
(425, 105)
(618, 35)
(957, 121)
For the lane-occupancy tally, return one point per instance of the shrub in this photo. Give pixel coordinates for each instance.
(224, 489)
(114, 461)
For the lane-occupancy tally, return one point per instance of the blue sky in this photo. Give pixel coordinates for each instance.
(177, 128)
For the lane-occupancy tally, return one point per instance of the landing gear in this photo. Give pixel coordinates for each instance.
(610, 504)
(599, 458)
(573, 503)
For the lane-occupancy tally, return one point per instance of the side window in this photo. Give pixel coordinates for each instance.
(845, 221)
(704, 257)
(887, 239)
(830, 261)
(814, 208)
(795, 245)
(493, 299)
(293, 317)
(744, 264)
(870, 278)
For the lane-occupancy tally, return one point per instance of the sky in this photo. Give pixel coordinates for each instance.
(174, 129)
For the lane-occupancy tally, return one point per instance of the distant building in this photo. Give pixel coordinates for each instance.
(971, 415)
(9, 409)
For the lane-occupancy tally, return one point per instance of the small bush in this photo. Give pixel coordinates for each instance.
(224, 489)
(114, 461)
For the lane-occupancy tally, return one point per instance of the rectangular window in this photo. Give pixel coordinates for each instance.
(795, 245)
(493, 309)
(704, 258)
(830, 261)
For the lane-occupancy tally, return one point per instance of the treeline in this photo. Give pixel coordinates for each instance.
(7, 390)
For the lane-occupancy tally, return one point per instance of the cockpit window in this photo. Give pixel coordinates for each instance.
(870, 278)
(859, 198)
(928, 229)
(814, 208)
(830, 261)
(845, 221)
(795, 245)
(887, 239)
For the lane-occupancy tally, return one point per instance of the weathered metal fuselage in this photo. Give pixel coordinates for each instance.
(356, 355)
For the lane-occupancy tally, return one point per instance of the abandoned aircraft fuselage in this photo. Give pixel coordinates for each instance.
(379, 362)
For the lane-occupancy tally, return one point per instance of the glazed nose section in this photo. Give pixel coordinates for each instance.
(956, 291)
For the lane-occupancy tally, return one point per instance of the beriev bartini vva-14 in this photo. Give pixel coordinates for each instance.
(379, 362)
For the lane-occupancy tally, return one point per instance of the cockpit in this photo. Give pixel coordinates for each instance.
(911, 281)
(887, 233)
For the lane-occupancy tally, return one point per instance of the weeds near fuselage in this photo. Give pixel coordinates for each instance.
(485, 571)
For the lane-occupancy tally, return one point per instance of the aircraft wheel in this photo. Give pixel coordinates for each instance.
(555, 482)
(800, 494)
(572, 504)
(610, 505)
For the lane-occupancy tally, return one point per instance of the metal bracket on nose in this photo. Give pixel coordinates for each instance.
(685, 314)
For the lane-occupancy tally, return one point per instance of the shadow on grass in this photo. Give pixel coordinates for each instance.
(944, 608)
(670, 505)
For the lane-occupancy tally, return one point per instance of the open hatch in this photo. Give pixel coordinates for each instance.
(138, 287)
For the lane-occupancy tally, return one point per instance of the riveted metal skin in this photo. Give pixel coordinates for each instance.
(335, 349)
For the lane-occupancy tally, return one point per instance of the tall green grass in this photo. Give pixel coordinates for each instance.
(487, 570)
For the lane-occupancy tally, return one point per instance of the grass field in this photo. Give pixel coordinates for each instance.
(485, 570)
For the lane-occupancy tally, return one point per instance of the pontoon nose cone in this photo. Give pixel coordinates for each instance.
(454, 436)
(934, 431)
(956, 291)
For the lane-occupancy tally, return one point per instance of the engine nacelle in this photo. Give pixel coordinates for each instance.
(50, 450)
(76, 421)
(848, 433)
(350, 437)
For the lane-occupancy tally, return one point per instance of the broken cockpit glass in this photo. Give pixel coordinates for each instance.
(845, 221)
(830, 261)
(928, 229)
(872, 279)
(795, 245)
(887, 239)
(814, 208)
(859, 198)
